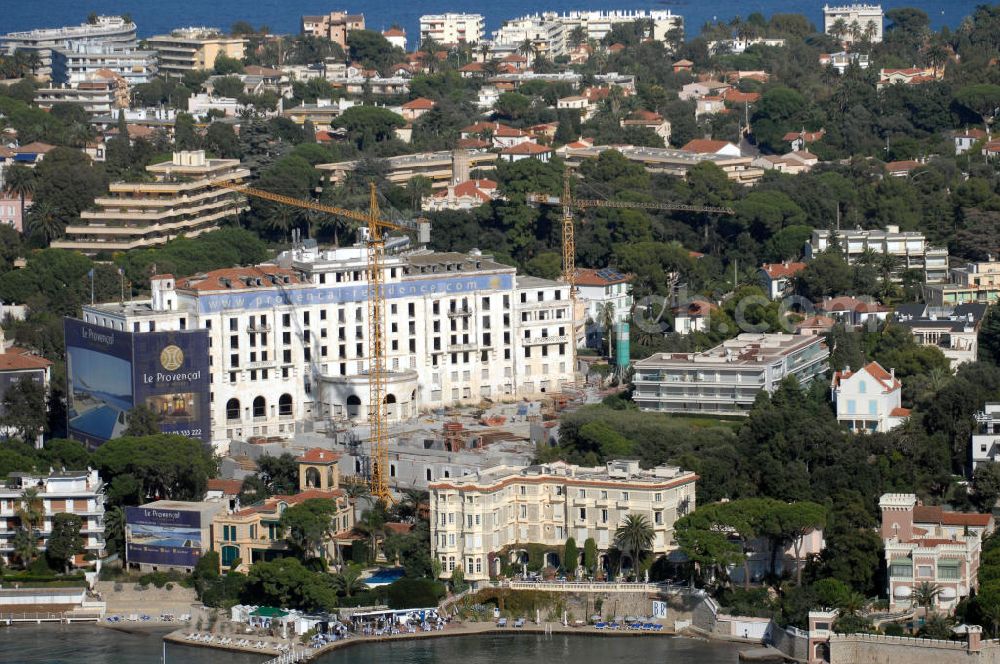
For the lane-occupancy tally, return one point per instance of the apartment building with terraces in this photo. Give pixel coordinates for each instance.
(181, 200)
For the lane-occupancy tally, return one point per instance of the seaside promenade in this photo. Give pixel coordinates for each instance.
(452, 629)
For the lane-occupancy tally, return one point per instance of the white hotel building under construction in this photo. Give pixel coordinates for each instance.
(288, 340)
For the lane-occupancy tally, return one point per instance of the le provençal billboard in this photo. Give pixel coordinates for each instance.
(109, 372)
(156, 536)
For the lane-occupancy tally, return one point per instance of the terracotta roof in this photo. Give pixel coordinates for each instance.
(318, 455)
(472, 67)
(227, 487)
(21, 359)
(514, 57)
(848, 303)
(472, 143)
(398, 528)
(683, 63)
(270, 505)
(737, 97)
(807, 136)
(705, 146)
(394, 32)
(902, 166)
(527, 147)
(776, 270)
(876, 371)
(906, 71)
(977, 134)
(616, 48)
(35, 148)
(817, 321)
(266, 72)
(475, 188)
(585, 276)
(164, 275)
(935, 514)
(696, 309)
(238, 278)
(503, 131)
(646, 116)
(420, 103)
(900, 412)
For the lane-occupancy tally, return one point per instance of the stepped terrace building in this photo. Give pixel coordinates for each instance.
(481, 522)
(181, 200)
(112, 31)
(193, 49)
(910, 249)
(287, 341)
(725, 380)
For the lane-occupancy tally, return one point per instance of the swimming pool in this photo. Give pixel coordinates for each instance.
(99, 422)
(385, 576)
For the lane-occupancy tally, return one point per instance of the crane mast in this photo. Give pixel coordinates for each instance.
(377, 408)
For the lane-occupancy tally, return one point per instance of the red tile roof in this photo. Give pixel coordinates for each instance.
(848, 303)
(683, 63)
(420, 103)
(35, 148)
(900, 412)
(777, 270)
(736, 97)
(807, 136)
(227, 487)
(527, 148)
(318, 455)
(935, 514)
(704, 146)
(398, 528)
(902, 166)
(586, 276)
(394, 32)
(270, 505)
(876, 371)
(238, 278)
(823, 322)
(21, 359)
(473, 144)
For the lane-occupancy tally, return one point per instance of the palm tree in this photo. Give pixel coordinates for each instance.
(528, 49)
(45, 220)
(409, 503)
(839, 29)
(114, 527)
(853, 603)
(926, 593)
(31, 512)
(606, 319)
(577, 36)
(348, 581)
(634, 536)
(20, 182)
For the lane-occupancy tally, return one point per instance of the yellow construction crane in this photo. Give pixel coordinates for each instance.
(568, 203)
(377, 413)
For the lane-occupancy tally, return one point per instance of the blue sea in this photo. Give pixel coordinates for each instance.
(283, 16)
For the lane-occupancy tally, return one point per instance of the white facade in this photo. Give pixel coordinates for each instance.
(452, 28)
(72, 492)
(725, 380)
(868, 400)
(910, 247)
(550, 32)
(858, 20)
(78, 62)
(595, 290)
(110, 30)
(289, 340)
(985, 444)
(478, 518)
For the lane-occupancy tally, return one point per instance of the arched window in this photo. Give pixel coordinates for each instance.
(390, 398)
(285, 404)
(229, 555)
(259, 407)
(353, 405)
(233, 409)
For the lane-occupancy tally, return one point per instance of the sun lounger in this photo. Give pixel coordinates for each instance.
(502, 622)
(519, 622)
(601, 625)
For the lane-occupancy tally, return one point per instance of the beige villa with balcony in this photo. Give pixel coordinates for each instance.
(482, 522)
(183, 199)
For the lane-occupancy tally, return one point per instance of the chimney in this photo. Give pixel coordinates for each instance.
(892, 373)
(974, 633)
